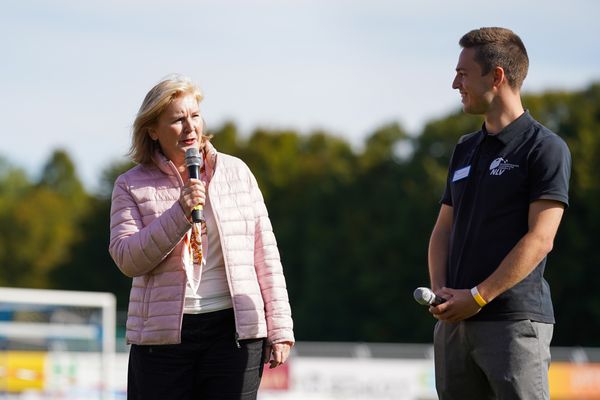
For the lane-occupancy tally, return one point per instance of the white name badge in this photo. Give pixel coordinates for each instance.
(461, 173)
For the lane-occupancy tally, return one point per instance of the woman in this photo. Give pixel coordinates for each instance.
(208, 300)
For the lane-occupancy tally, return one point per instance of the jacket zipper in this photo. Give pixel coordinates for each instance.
(218, 224)
(181, 185)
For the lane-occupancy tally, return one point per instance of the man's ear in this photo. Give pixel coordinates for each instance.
(499, 76)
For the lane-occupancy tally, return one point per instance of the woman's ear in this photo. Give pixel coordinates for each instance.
(152, 133)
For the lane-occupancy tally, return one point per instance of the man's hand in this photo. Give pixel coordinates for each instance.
(459, 305)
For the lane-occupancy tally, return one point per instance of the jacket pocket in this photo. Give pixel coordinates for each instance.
(147, 297)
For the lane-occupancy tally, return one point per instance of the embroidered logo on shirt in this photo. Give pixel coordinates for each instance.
(500, 165)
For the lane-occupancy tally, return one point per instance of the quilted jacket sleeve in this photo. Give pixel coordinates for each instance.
(270, 272)
(135, 248)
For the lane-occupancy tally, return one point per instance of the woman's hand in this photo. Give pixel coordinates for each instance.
(192, 195)
(277, 353)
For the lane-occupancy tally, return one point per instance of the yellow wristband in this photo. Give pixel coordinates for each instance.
(478, 299)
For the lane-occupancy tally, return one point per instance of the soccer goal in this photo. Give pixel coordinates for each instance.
(56, 344)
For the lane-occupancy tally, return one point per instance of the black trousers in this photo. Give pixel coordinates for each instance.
(206, 365)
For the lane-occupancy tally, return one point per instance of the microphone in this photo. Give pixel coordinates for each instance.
(426, 297)
(193, 162)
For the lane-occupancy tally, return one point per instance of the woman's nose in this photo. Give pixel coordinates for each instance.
(190, 124)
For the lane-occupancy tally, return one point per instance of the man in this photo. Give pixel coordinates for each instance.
(506, 191)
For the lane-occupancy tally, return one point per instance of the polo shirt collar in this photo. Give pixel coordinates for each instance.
(514, 129)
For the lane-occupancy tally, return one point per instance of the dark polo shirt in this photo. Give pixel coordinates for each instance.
(492, 180)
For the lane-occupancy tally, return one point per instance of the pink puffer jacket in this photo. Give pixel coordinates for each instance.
(146, 230)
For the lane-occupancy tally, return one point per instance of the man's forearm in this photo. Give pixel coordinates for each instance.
(515, 267)
(437, 260)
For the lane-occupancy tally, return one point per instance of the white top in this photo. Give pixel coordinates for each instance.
(207, 289)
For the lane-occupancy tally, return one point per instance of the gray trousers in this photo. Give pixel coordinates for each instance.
(501, 360)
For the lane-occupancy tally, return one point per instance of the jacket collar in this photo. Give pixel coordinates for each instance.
(210, 158)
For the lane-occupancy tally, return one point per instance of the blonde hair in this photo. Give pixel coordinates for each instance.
(155, 102)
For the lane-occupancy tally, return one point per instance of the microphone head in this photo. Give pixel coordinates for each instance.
(424, 296)
(192, 157)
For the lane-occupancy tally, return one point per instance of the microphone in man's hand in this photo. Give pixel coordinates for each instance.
(193, 161)
(426, 297)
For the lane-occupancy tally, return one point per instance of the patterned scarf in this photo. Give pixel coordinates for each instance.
(199, 235)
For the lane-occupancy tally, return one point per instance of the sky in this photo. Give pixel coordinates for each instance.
(73, 73)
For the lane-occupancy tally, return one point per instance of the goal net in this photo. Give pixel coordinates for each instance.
(56, 344)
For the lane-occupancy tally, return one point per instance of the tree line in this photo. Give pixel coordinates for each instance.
(352, 225)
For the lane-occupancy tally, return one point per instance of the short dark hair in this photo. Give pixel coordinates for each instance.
(499, 47)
